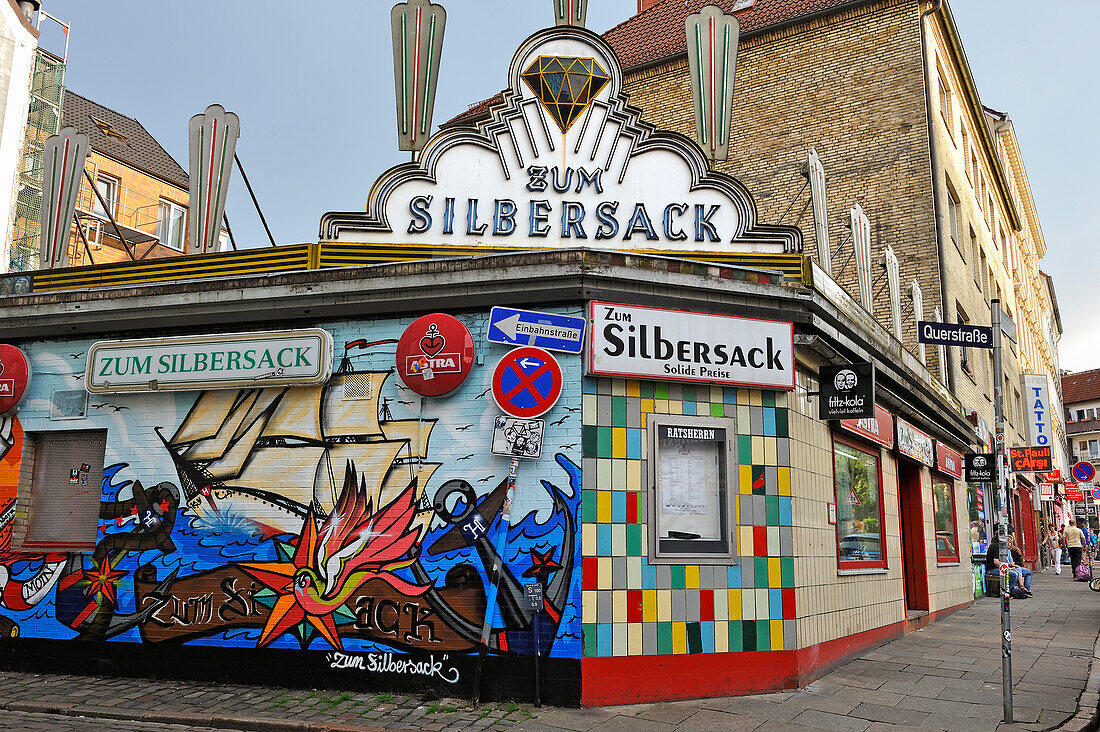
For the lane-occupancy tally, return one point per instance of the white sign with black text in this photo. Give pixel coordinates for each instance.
(678, 345)
(847, 392)
(518, 437)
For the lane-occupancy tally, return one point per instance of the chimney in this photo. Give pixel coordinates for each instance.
(644, 5)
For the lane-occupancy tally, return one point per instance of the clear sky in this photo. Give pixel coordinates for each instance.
(313, 85)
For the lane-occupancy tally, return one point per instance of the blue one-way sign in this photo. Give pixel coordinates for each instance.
(529, 328)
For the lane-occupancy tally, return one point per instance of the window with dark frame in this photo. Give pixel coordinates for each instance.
(943, 511)
(64, 491)
(692, 478)
(859, 506)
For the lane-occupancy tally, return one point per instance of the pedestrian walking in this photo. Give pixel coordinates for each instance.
(1075, 542)
(1054, 539)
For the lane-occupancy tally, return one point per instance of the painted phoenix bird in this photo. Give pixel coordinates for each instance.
(354, 545)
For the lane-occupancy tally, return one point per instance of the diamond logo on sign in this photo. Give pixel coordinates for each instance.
(565, 85)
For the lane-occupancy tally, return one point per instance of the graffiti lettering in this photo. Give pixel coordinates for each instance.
(385, 663)
(238, 603)
(190, 611)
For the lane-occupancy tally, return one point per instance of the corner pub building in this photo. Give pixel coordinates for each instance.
(275, 465)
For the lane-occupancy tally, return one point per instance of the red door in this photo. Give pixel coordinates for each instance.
(914, 567)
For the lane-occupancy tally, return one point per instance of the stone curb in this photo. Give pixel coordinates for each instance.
(1087, 718)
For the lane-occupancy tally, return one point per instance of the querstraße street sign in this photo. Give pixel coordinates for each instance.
(955, 334)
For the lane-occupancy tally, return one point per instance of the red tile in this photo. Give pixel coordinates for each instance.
(706, 605)
(633, 606)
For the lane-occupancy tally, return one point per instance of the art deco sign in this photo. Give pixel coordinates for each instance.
(265, 359)
(914, 443)
(562, 161)
(676, 345)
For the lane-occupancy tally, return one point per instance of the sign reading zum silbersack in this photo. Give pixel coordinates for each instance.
(679, 345)
(271, 358)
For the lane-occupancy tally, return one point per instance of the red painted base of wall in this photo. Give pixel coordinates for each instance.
(637, 679)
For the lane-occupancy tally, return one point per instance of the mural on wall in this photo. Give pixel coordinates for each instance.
(353, 517)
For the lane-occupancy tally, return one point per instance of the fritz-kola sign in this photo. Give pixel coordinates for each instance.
(677, 345)
(563, 161)
(263, 359)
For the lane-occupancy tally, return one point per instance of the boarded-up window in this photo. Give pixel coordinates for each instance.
(65, 487)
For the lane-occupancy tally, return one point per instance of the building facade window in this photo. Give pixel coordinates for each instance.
(108, 191)
(171, 224)
(691, 463)
(63, 494)
(943, 509)
(859, 516)
(945, 104)
(953, 215)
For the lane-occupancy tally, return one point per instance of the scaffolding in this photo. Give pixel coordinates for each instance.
(43, 120)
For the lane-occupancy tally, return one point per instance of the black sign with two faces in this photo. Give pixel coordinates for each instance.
(978, 467)
(847, 392)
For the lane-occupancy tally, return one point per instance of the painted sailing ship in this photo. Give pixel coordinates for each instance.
(268, 454)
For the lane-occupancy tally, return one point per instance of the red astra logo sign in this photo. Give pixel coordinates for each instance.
(15, 374)
(435, 354)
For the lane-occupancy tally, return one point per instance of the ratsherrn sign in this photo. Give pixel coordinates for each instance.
(272, 358)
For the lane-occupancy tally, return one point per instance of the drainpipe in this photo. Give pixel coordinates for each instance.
(935, 165)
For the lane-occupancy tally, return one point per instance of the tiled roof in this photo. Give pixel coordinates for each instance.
(658, 32)
(128, 141)
(1081, 387)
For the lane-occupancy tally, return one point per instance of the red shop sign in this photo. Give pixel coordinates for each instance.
(879, 428)
(948, 461)
(15, 375)
(1074, 494)
(435, 354)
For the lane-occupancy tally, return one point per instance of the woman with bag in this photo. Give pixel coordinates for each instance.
(1055, 540)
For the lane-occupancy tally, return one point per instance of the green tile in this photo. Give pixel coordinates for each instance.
(786, 570)
(618, 411)
(767, 398)
(763, 635)
(588, 441)
(760, 573)
(781, 423)
(748, 635)
(588, 506)
(771, 510)
(645, 389)
(694, 638)
(688, 393)
(744, 449)
(717, 410)
(736, 640)
(633, 539)
(660, 391)
(588, 632)
(603, 442)
(664, 638)
(678, 581)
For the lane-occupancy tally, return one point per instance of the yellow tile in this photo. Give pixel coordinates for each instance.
(618, 541)
(691, 576)
(721, 637)
(634, 641)
(777, 635)
(603, 573)
(633, 388)
(664, 606)
(755, 398)
(771, 455)
(647, 406)
(675, 407)
(745, 543)
(758, 450)
(618, 387)
(733, 598)
(784, 481)
(603, 506)
(745, 479)
(618, 606)
(660, 406)
(588, 409)
(742, 396)
(588, 540)
(775, 577)
(588, 606)
(649, 606)
(618, 442)
(679, 638)
(634, 475)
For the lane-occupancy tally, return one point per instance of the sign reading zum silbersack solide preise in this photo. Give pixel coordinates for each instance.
(679, 345)
(271, 358)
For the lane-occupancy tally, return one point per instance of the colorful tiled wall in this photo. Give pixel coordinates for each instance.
(633, 608)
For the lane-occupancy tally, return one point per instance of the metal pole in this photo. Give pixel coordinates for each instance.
(110, 216)
(255, 202)
(494, 576)
(1001, 476)
(538, 656)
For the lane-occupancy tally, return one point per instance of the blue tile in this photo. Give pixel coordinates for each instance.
(706, 630)
(775, 604)
(588, 386)
(785, 511)
(649, 575)
(634, 444)
(769, 422)
(603, 540)
(603, 640)
(730, 396)
(618, 507)
(733, 577)
(689, 407)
